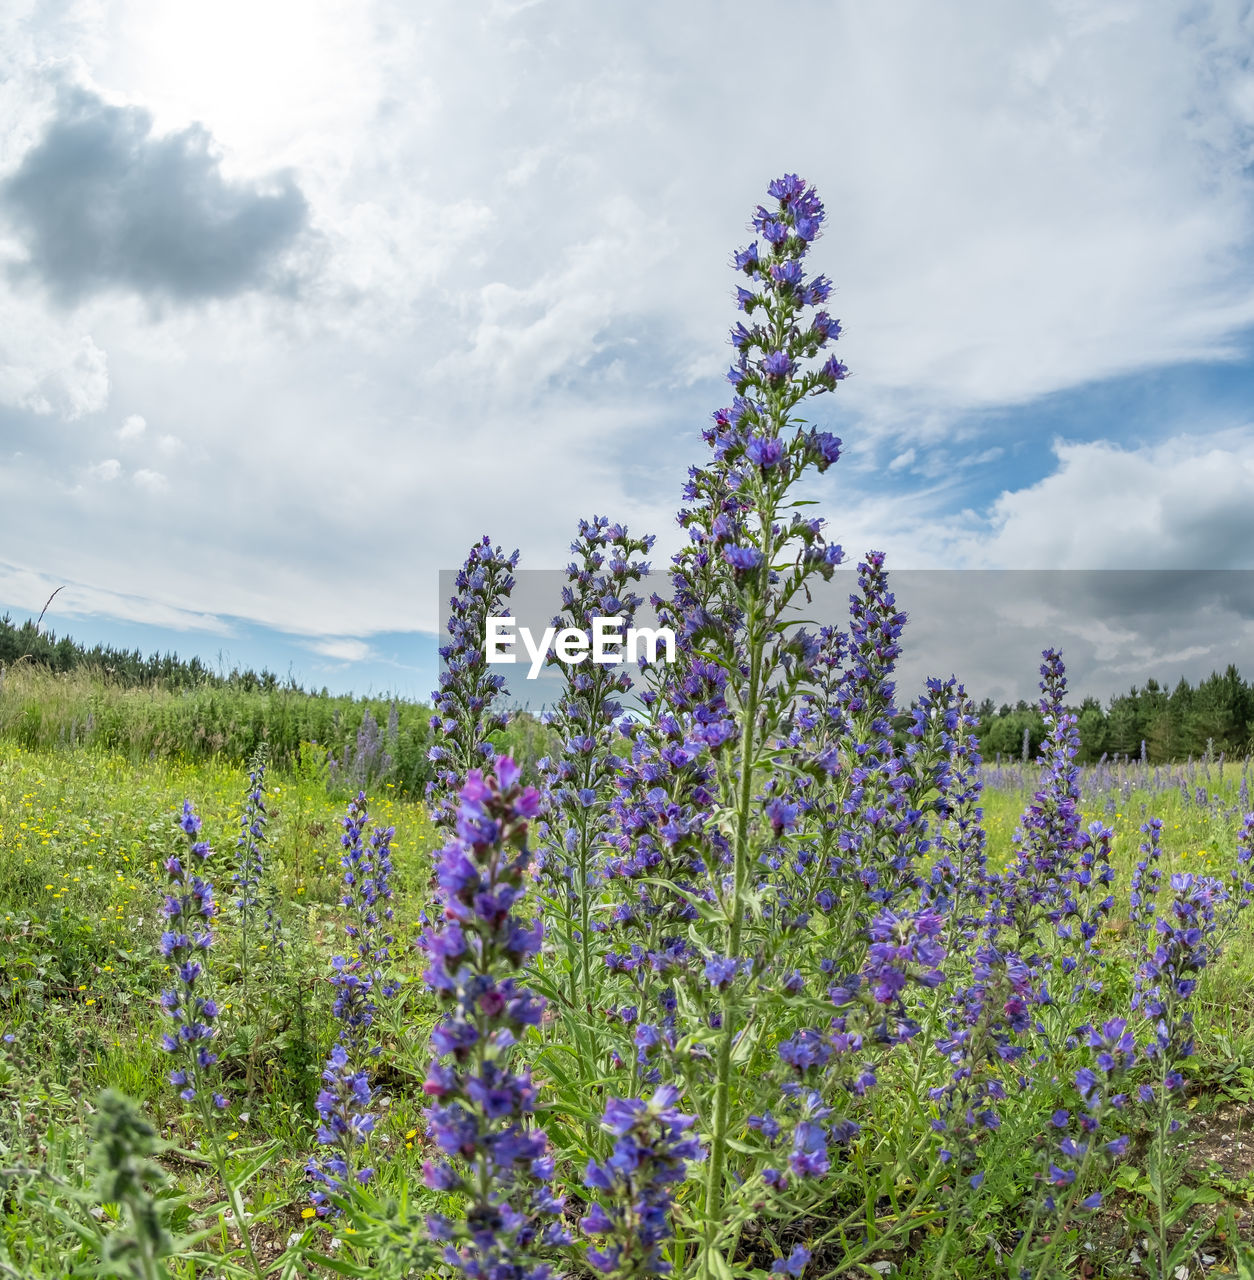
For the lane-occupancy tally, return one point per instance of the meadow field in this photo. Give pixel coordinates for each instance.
(749, 968)
(84, 832)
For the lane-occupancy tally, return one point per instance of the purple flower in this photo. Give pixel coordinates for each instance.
(833, 371)
(794, 1264)
(189, 910)
(777, 365)
(809, 1157)
(720, 971)
(764, 452)
(805, 1050)
(631, 1212)
(482, 1117)
(743, 559)
(470, 687)
(782, 815)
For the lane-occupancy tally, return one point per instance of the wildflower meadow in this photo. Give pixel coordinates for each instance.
(715, 973)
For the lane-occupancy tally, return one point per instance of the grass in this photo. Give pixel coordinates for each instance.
(209, 723)
(83, 836)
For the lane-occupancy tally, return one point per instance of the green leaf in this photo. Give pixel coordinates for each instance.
(341, 1266)
(718, 1265)
(242, 1174)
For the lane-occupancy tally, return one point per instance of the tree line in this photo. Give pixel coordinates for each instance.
(126, 667)
(1215, 716)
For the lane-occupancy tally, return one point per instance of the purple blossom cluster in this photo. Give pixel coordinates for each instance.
(345, 1122)
(189, 910)
(367, 868)
(766, 891)
(345, 1118)
(984, 1033)
(465, 703)
(1085, 1130)
(371, 755)
(1049, 839)
(633, 1188)
(1180, 942)
(579, 775)
(754, 461)
(943, 719)
(480, 1118)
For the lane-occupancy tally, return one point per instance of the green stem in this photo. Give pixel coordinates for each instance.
(1159, 1157)
(220, 1165)
(1043, 1271)
(722, 1079)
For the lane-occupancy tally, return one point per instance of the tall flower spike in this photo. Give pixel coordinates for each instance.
(346, 1123)
(344, 1104)
(247, 878)
(189, 910)
(633, 1189)
(751, 556)
(884, 831)
(481, 1114)
(775, 369)
(959, 881)
(464, 703)
(367, 864)
(1049, 835)
(579, 776)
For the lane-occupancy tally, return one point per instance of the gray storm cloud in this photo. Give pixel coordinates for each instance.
(103, 204)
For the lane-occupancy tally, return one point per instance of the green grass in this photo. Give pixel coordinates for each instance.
(83, 836)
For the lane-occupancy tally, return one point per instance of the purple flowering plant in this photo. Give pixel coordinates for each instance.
(189, 911)
(736, 989)
(788, 928)
(466, 714)
(1183, 921)
(491, 1154)
(248, 877)
(579, 774)
(344, 1104)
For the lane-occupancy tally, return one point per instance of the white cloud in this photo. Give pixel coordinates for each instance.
(1184, 503)
(109, 469)
(27, 588)
(46, 366)
(152, 481)
(518, 316)
(342, 649)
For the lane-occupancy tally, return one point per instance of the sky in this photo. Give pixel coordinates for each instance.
(299, 300)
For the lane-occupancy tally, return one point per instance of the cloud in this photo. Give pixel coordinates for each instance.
(152, 481)
(521, 315)
(1181, 504)
(47, 368)
(102, 204)
(27, 588)
(109, 469)
(342, 649)
(132, 428)
(1115, 628)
